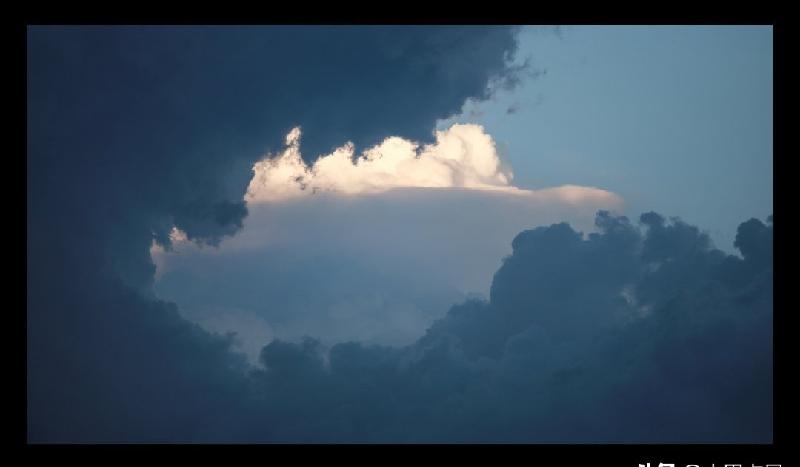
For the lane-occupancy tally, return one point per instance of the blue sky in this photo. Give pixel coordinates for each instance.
(673, 119)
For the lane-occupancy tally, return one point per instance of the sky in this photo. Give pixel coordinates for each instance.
(663, 116)
(399, 234)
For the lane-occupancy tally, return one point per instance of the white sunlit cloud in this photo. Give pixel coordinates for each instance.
(463, 156)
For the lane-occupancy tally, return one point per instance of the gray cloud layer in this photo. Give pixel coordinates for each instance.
(632, 335)
(377, 267)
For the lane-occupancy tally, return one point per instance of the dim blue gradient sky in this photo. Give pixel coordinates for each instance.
(674, 119)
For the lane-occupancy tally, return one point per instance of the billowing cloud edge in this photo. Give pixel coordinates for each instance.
(463, 156)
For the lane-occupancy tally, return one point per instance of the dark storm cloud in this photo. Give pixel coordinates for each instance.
(132, 130)
(633, 334)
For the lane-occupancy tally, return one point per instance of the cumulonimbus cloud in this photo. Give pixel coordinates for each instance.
(409, 228)
(463, 156)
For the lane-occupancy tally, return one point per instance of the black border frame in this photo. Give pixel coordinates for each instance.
(563, 454)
